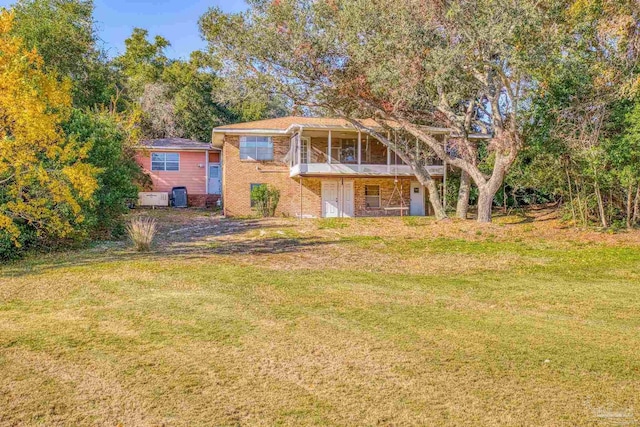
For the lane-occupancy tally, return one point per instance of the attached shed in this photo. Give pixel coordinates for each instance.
(179, 162)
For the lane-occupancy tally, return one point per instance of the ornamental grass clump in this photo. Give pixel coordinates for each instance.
(141, 231)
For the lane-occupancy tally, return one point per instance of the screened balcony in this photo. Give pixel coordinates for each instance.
(320, 153)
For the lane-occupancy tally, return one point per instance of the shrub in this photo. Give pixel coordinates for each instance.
(109, 139)
(141, 231)
(265, 200)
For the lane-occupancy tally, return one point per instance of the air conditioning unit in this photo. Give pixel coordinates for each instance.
(153, 199)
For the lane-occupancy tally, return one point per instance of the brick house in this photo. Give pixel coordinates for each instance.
(322, 167)
(177, 162)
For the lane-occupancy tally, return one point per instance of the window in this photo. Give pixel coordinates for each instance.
(372, 196)
(256, 148)
(348, 151)
(165, 161)
(251, 187)
(305, 151)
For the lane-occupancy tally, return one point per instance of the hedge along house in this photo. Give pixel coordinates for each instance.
(323, 167)
(177, 162)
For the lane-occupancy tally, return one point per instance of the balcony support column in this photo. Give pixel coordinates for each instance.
(359, 147)
(299, 144)
(329, 148)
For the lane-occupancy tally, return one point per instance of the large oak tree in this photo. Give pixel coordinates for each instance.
(466, 65)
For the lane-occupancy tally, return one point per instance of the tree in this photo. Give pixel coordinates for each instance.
(43, 177)
(63, 32)
(143, 61)
(110, 138)
(465, 65)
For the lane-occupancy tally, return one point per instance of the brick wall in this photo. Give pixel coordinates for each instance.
(238, 175)
(388, 196)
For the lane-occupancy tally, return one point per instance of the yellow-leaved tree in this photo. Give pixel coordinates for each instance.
(44, 180)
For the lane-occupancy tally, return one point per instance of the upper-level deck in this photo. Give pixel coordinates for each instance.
(322, 153)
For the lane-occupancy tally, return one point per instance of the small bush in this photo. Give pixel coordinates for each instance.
(265, 200)
(141, 231)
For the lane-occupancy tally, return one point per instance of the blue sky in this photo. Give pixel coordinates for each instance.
(175, 20)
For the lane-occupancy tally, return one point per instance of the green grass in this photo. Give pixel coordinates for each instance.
(399, 328)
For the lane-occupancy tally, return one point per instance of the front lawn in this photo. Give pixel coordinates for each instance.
(349, 322)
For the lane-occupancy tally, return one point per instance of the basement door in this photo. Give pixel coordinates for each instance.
(417, 199)
(337, 199)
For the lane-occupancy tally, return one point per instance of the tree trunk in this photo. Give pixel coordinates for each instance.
(434, 195)
(485, 204)
(629, 205)
(434, 199)
(636, 206)
(463, 196)
(601, 211)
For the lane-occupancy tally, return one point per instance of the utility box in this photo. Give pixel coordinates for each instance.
(153, 199)
(179, 197)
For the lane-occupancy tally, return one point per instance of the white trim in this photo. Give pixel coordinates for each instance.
(145, 148)
(206, 165)
(329, 148)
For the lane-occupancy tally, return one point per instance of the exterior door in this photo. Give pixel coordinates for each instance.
(347, 199)
(330, 199)
(214, 179)
(337, 199)
(417, 199)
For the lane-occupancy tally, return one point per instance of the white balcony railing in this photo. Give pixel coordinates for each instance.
(308, 169)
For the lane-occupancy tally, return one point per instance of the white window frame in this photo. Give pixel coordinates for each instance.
(379, 196)
(164, 161)
(305, 149)
(255, 156)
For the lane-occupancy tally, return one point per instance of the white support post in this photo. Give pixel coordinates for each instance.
(206, 173)
(329, 149)
(388, 150)
(359, 147)
(444, 177)
(299, 143)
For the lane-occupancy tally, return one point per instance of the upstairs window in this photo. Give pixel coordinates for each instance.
(256, 148)
(165, 162)
(372, 196)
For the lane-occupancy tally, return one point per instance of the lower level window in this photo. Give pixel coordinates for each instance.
(372, 196)
(252, 187)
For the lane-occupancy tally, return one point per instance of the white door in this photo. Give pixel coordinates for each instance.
(337, 199)
(417, 199)
(347, 199)
(330, 199)
(214, 179)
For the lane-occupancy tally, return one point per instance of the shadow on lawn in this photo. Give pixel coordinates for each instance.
(196, 241)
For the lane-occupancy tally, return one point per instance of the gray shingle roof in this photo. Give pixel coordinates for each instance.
(176, 143)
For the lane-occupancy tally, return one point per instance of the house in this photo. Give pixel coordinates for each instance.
(177, 162)
(323, 167)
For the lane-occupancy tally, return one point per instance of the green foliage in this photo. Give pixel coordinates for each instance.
(63, 32)
(265, 200)
(143, 61)
(110, 152)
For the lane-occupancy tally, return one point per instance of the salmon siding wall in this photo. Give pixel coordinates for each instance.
(190, 174)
